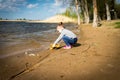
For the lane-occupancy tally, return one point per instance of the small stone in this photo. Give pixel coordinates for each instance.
(31, 54)
(110, 65)
(37, 55)
(26, 53)
(62, 76)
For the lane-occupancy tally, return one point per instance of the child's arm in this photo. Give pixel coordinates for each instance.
(58, 39)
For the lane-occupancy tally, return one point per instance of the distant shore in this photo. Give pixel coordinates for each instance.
(53, 19)
(20, 20)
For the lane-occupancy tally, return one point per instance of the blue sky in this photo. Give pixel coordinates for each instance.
(30, 9)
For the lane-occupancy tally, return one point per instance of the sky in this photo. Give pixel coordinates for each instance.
(30, 9)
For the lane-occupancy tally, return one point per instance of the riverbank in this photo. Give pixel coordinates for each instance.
(96, 57)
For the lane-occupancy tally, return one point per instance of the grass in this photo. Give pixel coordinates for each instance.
(117, 25)
(112, 23)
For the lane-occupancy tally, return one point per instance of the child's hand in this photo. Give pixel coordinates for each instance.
(53, 45)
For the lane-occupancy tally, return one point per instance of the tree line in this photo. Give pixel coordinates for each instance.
(93, 10)
(16, 19)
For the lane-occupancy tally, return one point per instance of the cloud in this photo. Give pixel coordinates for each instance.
(11, 5)
(61, 10)
(59, 6)
(56, 10)
(58, 2)
(32, 5)
(64, 3)
(56, 7)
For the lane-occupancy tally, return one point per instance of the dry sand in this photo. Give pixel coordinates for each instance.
(96, 57)
(56, 19)
(59, 18)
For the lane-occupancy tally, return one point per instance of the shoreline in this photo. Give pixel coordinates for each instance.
(36, 21)
(53, 19)
(27, 21)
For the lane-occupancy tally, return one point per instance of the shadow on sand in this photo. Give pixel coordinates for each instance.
(76, 45)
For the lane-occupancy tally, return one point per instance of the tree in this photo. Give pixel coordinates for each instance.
(77, 11)
(70, 12)
(67, 12)
(95, 14)
(87, 13)
(117, 8)
(74, 3)
(112, 9)
(107, 10)
(24, 19)
(84, 8)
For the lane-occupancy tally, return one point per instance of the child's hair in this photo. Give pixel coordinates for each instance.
(60, 24)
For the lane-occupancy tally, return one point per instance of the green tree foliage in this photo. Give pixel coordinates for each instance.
(70, 13)
(24, 18)
(67, 12)
(113, 6)
(21, 19)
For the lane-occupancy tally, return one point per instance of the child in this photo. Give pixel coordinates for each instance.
(66, 35)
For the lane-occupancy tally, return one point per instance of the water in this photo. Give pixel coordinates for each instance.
(24, 27)
(14, 34)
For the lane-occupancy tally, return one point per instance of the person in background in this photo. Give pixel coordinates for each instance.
(66, 35)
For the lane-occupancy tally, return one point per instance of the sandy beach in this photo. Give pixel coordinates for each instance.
(95, 57)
